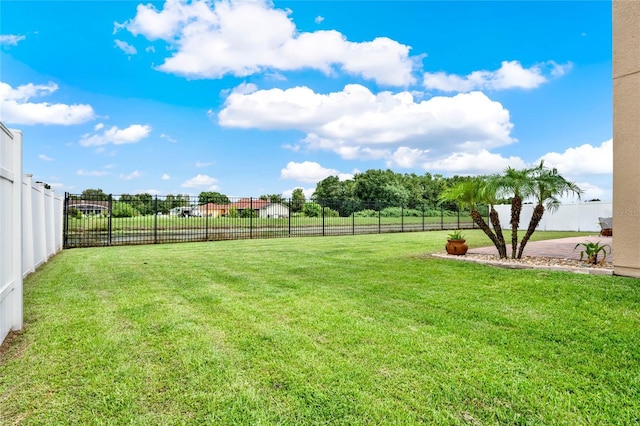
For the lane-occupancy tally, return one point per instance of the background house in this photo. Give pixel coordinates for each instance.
(89, 207)
(214, 210)
(274, 210)
(262, 208)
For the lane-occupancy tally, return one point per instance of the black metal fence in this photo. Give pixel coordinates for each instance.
(109, 220)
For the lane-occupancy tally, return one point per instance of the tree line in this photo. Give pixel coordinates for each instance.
(376, 191)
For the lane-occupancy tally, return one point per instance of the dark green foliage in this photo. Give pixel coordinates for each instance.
(247, 213)
(592, 250)
(312, 210)
(212, 197)
(297, 200)
(94, 195)
(120, 209)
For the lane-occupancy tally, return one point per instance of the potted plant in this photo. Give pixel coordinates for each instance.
(456, 243)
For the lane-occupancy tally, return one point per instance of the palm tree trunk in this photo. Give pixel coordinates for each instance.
(536, 217)
(516, 209)
(500, 244)
(479, 220)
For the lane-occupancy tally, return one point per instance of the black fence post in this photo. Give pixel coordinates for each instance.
(423, 217)
(155, 221)
(458, 217)
(109, 219)
(402, 218)
(65, 223)
(379, 221)
(353, 223)
(251, 217)
(322, 207)
(441, 218)
(289, 215)
(206, 222)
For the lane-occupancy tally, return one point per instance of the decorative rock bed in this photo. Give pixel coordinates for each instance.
(534, 262)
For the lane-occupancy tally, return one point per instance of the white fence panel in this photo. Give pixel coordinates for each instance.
(10, 231)
(581, 217)
(41, 224)
(30, 228)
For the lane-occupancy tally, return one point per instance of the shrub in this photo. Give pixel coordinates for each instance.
(312, 210)
(123, 210)
(366, 213)
(330, 212)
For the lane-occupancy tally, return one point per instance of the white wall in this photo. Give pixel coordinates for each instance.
(569, 217)
(42, 219)
(30, 228)
(10, 231)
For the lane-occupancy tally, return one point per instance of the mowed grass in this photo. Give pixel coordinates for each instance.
(339, 330)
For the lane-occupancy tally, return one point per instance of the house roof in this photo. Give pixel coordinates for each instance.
(241, 204)
(247, 203)
(88, 203)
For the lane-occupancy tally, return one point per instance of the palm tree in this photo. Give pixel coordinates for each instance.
(548, 186)
(489, 195)
(470, 193)
(518, 184)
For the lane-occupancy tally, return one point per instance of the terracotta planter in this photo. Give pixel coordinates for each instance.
(456, 247)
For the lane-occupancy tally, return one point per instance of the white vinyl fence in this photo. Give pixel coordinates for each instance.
(30, 228)
(10, 231)
(581, 217)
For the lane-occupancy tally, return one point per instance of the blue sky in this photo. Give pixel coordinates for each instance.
(253, 97)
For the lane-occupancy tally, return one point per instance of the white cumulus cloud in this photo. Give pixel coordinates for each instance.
(165, 176)
(356, 123)
(407, 158)
(82, 172)
(582, 160)
(133, 175)
(132, 134)
(201, 181)
(45, 158)
(482, 162)
(510, 75)
(126, 47)
(16, 106)
(310, 172)
(11, 39)
(212, 39)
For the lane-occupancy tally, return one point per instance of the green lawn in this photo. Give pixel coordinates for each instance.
(338, 330)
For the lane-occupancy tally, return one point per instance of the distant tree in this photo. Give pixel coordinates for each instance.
(144, 203)
(297, 200)
(329, 190)
(272, 198)
(382, 187)
(212, 197)
(94, 195)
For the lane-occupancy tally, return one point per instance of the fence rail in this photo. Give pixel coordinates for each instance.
(126, 220)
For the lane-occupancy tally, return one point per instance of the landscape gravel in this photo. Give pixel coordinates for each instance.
(534, 262)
